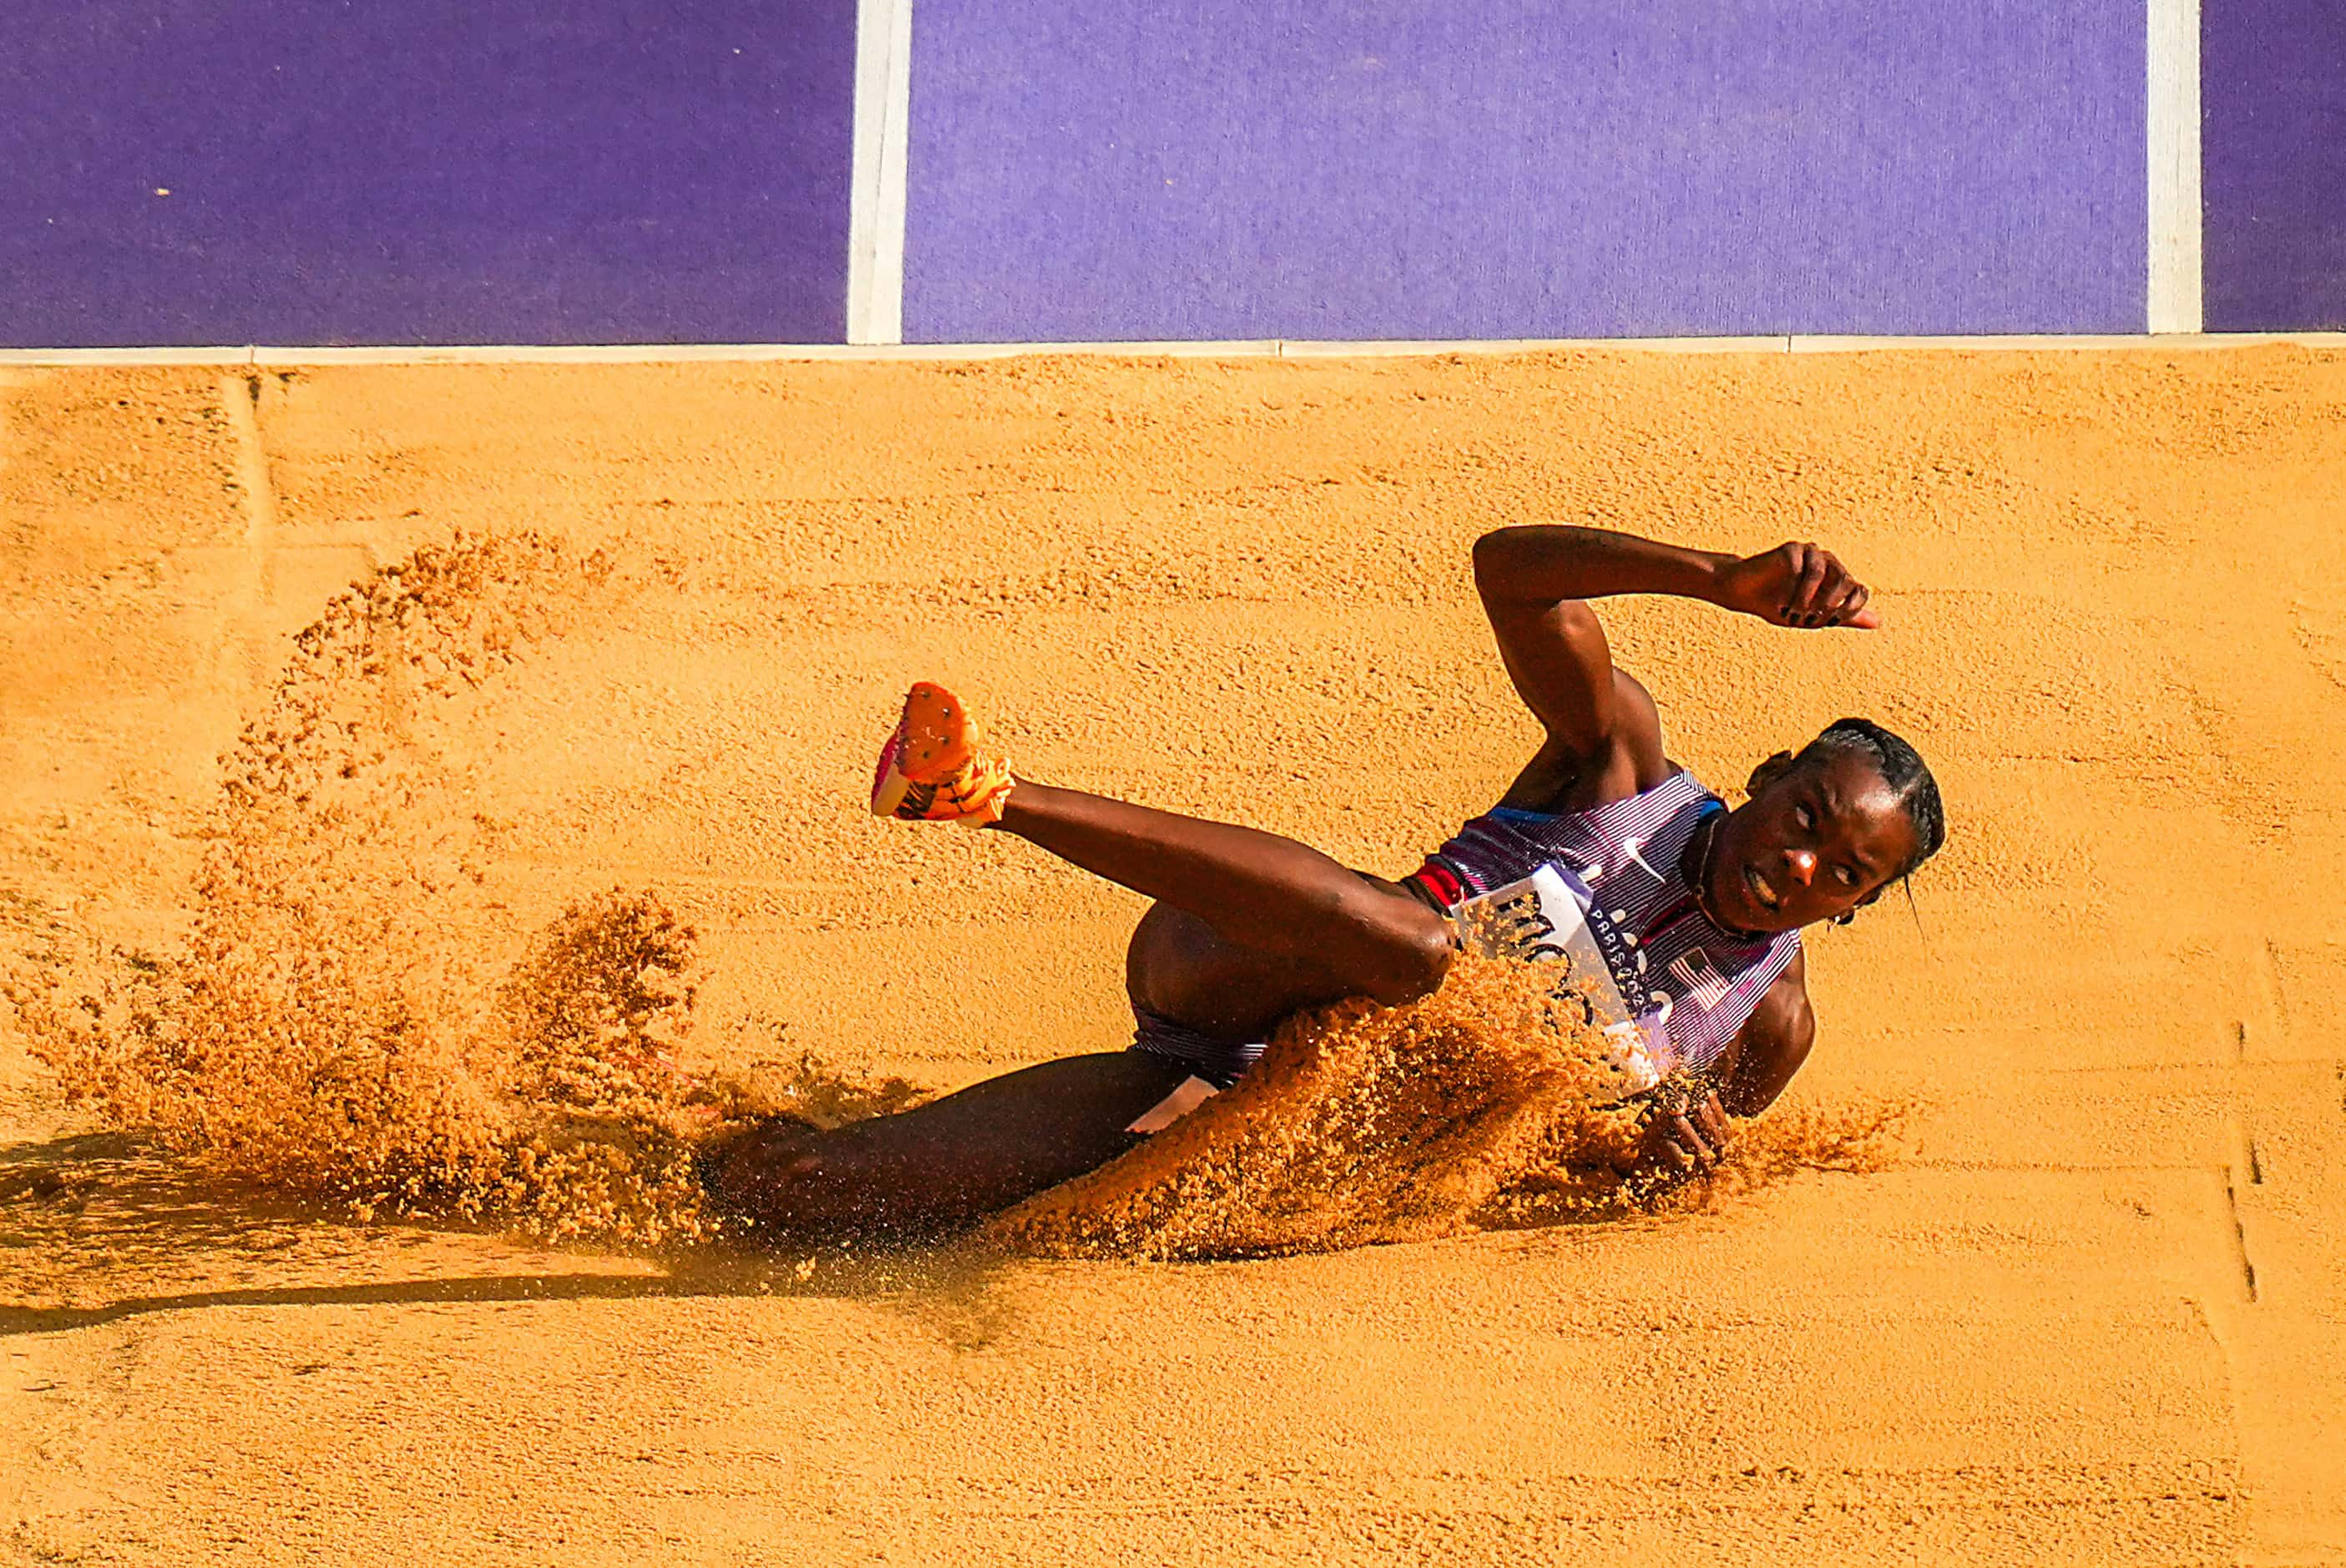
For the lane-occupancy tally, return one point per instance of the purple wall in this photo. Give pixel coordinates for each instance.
(1211, 169)
(2273, 160)
(405, 171)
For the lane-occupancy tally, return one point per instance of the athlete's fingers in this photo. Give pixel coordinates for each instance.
(1851, 603)
(1796, 565)
(1815, 567)
(1839, 599)
(1831, 585)
(1694, 1152)
(1711, 1117)
(1663, 1146)
(1847, 598)
(1808, 559)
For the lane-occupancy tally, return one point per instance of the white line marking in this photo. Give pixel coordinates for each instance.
(1775, 343)
(2173, 123)
(875, 212)
(289, 357)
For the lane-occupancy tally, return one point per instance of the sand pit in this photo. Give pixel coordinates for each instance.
(495, 930)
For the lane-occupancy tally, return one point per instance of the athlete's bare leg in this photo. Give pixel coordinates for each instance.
(1270, 896)
(1248, 927)
(940, 1167)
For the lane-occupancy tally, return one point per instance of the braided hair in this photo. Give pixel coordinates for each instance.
(1903, 769)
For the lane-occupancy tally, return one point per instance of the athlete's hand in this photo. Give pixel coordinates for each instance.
(1678, 1145)
(1796, 585)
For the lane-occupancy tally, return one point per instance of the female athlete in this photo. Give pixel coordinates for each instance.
(1695, 910)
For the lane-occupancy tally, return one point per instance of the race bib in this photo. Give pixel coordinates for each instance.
(1550, 917)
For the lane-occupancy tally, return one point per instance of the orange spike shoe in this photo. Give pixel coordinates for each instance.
(931, 769)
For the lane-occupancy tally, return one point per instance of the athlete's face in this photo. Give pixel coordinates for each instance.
(1818, 839)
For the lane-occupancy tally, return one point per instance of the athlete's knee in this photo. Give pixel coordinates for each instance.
(1415, 958)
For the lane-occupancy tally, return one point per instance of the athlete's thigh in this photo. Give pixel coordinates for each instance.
(1179, 967)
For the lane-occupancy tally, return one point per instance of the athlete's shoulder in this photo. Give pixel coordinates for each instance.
(1629, 761)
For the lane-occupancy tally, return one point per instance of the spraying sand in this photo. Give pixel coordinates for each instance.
(348, 1017)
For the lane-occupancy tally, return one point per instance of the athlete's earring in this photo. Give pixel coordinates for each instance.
(1846, 917)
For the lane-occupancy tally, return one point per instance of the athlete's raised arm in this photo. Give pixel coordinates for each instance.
(1604, 739)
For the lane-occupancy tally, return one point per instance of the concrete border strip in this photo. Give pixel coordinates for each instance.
(875, 210)
(1252, 349)
(2178, 245)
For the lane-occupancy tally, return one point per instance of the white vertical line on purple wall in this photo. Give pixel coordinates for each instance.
(2174, 137)
(875, 210)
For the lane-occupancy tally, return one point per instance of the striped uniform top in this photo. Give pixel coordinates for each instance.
(1667, 956)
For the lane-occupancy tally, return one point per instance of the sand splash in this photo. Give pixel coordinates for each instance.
(352, 1016)
(349, 1016)
(1486, 1104)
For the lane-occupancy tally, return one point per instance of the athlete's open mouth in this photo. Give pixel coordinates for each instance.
(1762, 892)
